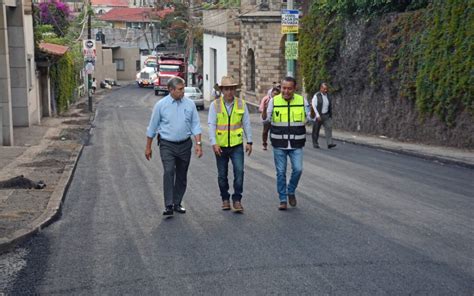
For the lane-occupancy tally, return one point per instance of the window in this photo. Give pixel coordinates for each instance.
(29, 74)
(169, 68)
(120, 63)
(250, 70)
(137, 65)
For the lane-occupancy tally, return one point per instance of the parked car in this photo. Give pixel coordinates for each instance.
(195, 94)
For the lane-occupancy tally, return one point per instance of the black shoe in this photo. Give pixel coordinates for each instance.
(168, 211)
(292, 200)
(179, 209)
(331, 146)
(316, 146)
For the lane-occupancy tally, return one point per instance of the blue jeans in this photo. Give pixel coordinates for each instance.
(236, 155)
(280, 158)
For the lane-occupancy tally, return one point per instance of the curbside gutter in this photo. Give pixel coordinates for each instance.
(53, 209)
(409, 152)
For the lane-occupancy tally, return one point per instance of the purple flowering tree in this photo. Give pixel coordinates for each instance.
(54, 13)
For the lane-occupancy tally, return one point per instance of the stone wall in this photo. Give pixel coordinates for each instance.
(221, 21)
(376, 109)
(261, 34)
(233, 58)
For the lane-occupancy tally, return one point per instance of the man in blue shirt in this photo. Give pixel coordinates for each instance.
(174, 120)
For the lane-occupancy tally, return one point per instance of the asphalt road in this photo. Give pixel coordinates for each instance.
(368, 222)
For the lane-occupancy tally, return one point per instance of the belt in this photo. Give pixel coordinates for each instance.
(176, 142)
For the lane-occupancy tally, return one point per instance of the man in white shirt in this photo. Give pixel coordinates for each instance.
(323, 108)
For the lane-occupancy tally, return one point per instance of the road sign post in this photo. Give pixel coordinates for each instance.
(289, 26)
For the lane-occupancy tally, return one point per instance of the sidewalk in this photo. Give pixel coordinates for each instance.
(50, 151)
(441, 154)
(446, 155)
(47, 152)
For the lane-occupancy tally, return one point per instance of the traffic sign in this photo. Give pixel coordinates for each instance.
(289, 21)
(89, 68)
(291, 50)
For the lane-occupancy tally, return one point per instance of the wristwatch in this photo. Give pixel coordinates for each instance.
(198, 143)
(249, 143)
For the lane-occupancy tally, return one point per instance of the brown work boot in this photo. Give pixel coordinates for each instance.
(238, 207)
(283, 206)
(225, 205)
(292, 200)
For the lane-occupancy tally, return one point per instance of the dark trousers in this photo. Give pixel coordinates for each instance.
(266, 129)
(175, 158)
(326, 121)
(236, 155)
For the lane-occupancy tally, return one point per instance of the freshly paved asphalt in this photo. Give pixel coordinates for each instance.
(368, 222)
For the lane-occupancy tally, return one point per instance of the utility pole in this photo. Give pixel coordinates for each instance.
(89, 75)
(190, 42)
(290, 64)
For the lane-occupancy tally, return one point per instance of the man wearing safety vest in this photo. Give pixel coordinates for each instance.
(287, 113)
(228, 120)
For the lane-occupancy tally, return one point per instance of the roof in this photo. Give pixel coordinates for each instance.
(53, 49)
(141, 14)
(110, 3)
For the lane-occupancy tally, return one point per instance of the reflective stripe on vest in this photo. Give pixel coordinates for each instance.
(229, 128)
(288, 122)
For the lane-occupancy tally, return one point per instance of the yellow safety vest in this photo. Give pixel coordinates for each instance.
(229, 129)
(288, 122)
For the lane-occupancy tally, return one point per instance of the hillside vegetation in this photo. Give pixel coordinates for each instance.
(399, 68)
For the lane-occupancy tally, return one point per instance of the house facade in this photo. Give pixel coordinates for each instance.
(19, 95)
(101, 7)
(138, 18)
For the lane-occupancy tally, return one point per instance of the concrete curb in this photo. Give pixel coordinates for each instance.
(427, 156)
(52, 211)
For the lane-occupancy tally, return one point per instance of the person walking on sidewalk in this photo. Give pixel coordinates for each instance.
(228, 120)
(322, 105)
(174, 120)
(263, 106)
(287, 113)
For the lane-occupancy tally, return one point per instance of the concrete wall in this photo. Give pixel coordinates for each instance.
(104, 66)
(33, 95)
(130, 57)
(18, 67)
(6, 122)
(220, 45)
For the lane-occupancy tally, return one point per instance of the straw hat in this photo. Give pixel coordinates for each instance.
(228, 81)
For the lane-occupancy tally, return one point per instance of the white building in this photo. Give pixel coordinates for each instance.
(221, 47)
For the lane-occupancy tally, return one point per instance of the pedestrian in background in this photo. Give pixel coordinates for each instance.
(228, 120)
(216, 92)
(287, 113)
(263, 106)
(94, 85)
(322, 106)
(174, 120)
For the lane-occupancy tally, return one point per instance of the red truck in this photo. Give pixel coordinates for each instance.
(169, 65)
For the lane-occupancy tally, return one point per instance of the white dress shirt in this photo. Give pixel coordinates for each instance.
(325, 107)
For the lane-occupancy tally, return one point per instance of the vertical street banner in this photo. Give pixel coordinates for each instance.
(289, 21)
(291, 50)
(88, 49)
